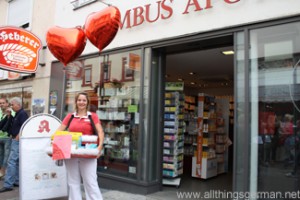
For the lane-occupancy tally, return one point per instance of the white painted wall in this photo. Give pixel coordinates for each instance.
(3, 11)
(221, 15)
(42, 18)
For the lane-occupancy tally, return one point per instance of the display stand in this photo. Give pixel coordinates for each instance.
(40, 176)
(172, 182)
(204, 164)
(173, 147)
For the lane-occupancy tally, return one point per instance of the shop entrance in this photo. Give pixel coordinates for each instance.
(199, 85)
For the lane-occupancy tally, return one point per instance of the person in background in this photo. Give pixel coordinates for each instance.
(275, 138)
(295, 150)
(85, 168)
(288, 133)
(5, 141)
(12, 171)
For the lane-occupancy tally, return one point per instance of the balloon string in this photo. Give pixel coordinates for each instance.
(108, 4)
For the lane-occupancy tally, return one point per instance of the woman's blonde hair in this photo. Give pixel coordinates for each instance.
(87, 98)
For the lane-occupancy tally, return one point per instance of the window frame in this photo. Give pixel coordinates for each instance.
(84, 76)
(108, 73)
(126, 76)
(27, 24)
(81, 3)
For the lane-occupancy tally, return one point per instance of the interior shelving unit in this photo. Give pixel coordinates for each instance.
(222, 134)
(173, 144)
(190, 119)
(204, 163)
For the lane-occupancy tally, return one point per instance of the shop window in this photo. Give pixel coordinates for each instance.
(19, 13)
(24, 93)
(87, 76)
(116, 102)
(80, 3)
(274, 102)
(118, 111)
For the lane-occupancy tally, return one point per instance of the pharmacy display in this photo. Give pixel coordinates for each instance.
(40, 177)
(211, 157)
(173, 144)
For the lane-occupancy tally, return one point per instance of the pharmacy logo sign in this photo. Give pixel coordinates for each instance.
(19, 50)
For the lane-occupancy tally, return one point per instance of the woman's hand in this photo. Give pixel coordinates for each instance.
(100, 151)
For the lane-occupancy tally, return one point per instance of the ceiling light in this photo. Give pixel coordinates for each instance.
(228, 52)
(180, 79)
(192, 73)
(193, 83)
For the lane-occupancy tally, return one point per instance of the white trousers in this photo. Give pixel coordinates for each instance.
(87, 169)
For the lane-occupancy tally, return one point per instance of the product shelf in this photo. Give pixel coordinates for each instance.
(173, 143)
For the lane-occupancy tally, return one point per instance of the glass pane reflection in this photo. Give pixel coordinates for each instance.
(275, 102)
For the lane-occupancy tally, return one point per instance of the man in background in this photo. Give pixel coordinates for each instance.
(12, 171)
(5, 140)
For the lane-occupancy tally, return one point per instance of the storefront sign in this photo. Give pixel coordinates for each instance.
(19, 50)
(162, 19)
(164, 10)
(40, 177)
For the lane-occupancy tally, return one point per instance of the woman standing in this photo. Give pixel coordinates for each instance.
(85, 168)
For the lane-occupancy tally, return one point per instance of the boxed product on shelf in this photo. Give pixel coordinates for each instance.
(220, 158)
(172, 173)
(220, 148)
(168, 158)
(209, 154)
(111, 115)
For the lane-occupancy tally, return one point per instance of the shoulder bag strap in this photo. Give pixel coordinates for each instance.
(93, 125)
(72, 116)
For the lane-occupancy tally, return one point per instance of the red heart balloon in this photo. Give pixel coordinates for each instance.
(101, 27)
(66, 44)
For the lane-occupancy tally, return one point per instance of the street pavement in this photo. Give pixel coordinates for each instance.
(107, 195)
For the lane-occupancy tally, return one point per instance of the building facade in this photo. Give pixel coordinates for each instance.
(126, 83)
